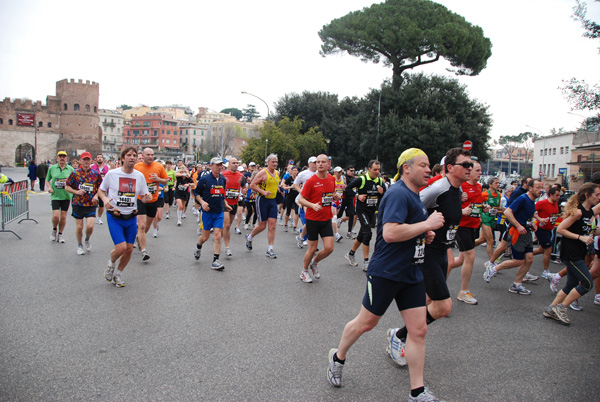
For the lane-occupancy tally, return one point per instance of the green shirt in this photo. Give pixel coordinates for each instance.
(57, 178)
(172, 178)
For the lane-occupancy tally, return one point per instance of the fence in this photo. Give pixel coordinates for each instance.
(15, 204)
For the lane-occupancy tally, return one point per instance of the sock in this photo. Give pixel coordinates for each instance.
(249, 237)
(54, 229)
(87, 239)
(335, 359)
(366, 260)
(417, 391)
(430, 319)
(557, 274)
(215, 257)
(80, 245)
(270, 247)
(198, 246)
(402, 333)
(61, 233)
(179, 214)
(351, 252)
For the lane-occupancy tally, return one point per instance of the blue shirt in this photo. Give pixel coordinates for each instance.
(523, 209)
(399, 261)
(212, 191)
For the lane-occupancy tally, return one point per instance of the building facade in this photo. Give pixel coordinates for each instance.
(111, 123)
(159, 131)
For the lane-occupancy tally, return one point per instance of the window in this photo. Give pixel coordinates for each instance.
(95, 109)
(561, 150)
(566, 150)
(168, 141)
(174, 141)
(65, 107)
(1, 121)
(136, 132)
(163, 132)
(168, 132)
(87, 108)
(76, 107)
(553, 153)
(545, 151)
(146, 132)
(155, 133)
(40, 124)
(49, 125)
(553, 166)
(10, 122)
(540, 168)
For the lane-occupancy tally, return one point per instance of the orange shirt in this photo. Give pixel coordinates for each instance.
(147, 170)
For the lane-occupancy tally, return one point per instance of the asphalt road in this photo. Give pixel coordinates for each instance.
(180, 331)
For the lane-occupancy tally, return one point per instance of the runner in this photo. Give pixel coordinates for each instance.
(298, 184)
(60, 198)
(370, 189)
(340, 186)
(210, 195)
(183, 185)
(546, 213)
(159, 209)
(348, 205)
(84, 184)
(492, 198)
(394, 273)
(318, 194)
(290, 200)
(266, 185)
(122, 190)
(235, 181)
(241, 204)
(154, 173)
(101, 168)
(170, 189)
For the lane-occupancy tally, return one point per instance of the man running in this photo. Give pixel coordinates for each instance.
(235, 181)
(348, 204)
(169, 189)
(370, 189)
(266, 183)
(394, 274)
(122, 190)
(546, 213)
(60, 198)
(155, 173)
(298, 184)
(101, 168)
(210, 195)
(317, 196)
(84, 184)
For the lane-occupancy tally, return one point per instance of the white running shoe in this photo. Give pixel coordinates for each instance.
(54, 235)
(314, 270)
(155, 233)
(338, 237)
(88, 246)
(80, 250)
(395, 347)
(99, 221)
(305, 277)
(61, 239)
(109, 272)
(228, 252)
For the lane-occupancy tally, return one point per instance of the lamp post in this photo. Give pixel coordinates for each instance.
(268, 117)
(543, 153)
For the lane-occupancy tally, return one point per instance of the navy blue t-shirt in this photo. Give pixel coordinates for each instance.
(212, 191)
(399, 261)
(519, 191)
(523, 209)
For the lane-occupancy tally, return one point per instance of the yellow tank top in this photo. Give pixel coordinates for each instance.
(270, 184)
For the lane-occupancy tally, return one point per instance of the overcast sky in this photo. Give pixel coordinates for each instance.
(198, 53)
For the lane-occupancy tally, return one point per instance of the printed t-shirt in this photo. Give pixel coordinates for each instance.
(123, 189)
(57, 178)
(89, 182)
(546, 209)
(319, 191)
(147, 170)
(212, 191)
(234, 182)
(475, 201)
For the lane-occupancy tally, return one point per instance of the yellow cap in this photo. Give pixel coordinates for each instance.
(406, 156)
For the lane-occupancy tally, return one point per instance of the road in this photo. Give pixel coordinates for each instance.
(180, 331)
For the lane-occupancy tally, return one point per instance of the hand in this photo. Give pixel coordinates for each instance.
(587, 239)
(50, 190)
(337, 197)
(380, 189)
(435, 220)
(464, 197)
(486, 208)
(95, 199)
(316, 207)
(228, 207)
(153, 177)
(467, 211)
(521, 229)
(362, 197)
(147, 197)
(429, 236)
(267, 193)
(205, 206)
(107, 204)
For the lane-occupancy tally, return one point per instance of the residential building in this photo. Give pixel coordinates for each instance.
(111, 123)
(159, 131)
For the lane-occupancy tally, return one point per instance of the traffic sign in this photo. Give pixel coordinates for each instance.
(468, 145)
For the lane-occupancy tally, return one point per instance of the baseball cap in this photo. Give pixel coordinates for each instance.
(86, 155)
(216, 160)
(337, 169)
(240, 168)
(312, 159)
(61, 153)
(252, 164)
(443, 161)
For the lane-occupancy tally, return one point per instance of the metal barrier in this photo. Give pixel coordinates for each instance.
(14, 200)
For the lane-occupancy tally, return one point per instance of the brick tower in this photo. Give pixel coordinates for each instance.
(79, 120)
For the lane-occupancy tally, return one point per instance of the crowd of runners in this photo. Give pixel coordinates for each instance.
(420, 217)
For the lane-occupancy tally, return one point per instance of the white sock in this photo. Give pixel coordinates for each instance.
(249, 237)
(179, 214)
(270, 247)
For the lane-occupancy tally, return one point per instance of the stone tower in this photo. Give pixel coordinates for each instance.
(79, 120)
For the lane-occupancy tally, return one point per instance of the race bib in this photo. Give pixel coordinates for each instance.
(232, 193)
(126, 199)
(451, 234)
(87, 187)
(476, 210)
(419, 256)
(152, 187)
(60, 183)
(181, 187)
(372, 200)
(327, 199)
(493, 212)
(217, 191)
(553, 218)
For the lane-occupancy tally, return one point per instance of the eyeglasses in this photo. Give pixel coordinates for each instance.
(466, 165)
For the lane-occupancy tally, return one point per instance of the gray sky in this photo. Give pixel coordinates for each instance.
(199, 53)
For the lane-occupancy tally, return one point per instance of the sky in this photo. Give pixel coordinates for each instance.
(204, 54)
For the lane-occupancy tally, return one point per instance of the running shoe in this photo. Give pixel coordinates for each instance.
(530, 278)
(549, 312)
(99, 221)
(155, 233)
(334, 371)
(576, 306)
(305, 277)
(338, 237)
(237, 230)
(349, 235)
(351, 259)
(167, 216)
(217, 266)
(484, 244)
(118, 281)
(145, 255)
(395, 347)
(54, 235)
(305, 243)
(80, 250)
(271, 254)
(228, 252)
(561, 314)
(365, 266)
(425, 396)
(490, 272)
(197, 253)
(546, 275)
(314, 270)
(88, 246)
(300, 242)
(285, 228)
(61, 239)
(466, 298)
(519, 289)
(248, 243)
(109, 271)
(246, 226)
(554, 283)
(339, 222)
(199, 230)
(296, 231)
(597, 300)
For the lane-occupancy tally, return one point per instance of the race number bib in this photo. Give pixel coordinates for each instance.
(87, 187)
(419, 256)
(476, 210)
(451, 234)
(493, 212)
(372, 200)
(232, 193)
(553, 218)
(152, 188)
(181, 187)
(60, 183)
(327, 199)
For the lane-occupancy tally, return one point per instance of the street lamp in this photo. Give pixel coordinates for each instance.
(268, 117)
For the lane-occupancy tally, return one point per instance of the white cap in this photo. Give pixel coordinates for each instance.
(312, 159)
(240, 168)
(443, 161)
(337, 169)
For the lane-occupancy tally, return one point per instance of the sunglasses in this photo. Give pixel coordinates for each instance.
(466, 165)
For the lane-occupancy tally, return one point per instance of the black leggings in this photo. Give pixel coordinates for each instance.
(250, 210)
(348, 206)
(578, 277)
(289, 204)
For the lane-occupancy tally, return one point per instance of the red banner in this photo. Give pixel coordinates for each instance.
(25, 119)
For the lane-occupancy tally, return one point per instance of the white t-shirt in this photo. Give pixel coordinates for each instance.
(303, 176)
(123, 189)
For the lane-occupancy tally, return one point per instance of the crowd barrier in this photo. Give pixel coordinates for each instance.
(14, 200)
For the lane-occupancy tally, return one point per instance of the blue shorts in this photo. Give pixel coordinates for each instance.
(544, 237)
(211, 220)
(266, 208)
(122, 231)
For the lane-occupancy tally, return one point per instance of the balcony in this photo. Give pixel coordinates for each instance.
(108, 124)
